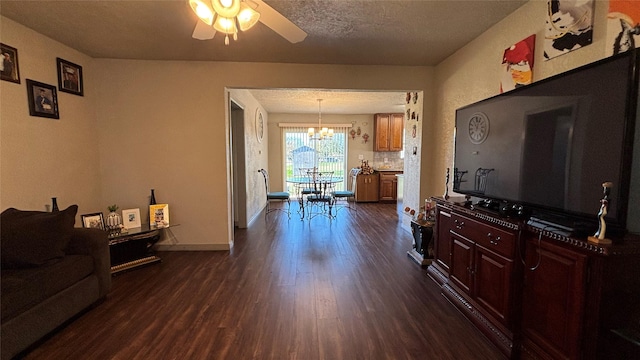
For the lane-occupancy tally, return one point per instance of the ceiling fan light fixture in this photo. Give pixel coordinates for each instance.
(247, 17)
(226, 8)
(225, 25)
(202, 10)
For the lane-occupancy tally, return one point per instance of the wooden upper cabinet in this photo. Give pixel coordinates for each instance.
(389, 129)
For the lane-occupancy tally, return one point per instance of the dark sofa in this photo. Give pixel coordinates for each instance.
(51, 271)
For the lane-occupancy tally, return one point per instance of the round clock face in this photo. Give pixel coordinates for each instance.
(478, 128)
(259, 125)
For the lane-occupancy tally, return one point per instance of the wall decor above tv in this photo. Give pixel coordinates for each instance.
(553, 143)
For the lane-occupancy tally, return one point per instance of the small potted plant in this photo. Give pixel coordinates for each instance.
(113, 220)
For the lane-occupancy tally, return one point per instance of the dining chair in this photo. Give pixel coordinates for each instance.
(305, 188)
(342, 197)
(281, 196)
(320, 201)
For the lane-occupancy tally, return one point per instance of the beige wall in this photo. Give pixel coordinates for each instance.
(149, 124)
(162, 124)
(166, 121)
(43, 158)
(256, 153)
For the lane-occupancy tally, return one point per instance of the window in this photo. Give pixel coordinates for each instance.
(302, 152)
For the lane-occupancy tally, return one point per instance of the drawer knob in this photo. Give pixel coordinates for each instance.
(492, 240)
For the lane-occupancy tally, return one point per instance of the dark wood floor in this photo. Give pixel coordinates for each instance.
(289, 289)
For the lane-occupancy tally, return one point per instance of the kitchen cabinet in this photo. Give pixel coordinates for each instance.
(367, 187)
(388, 132)
(389, 186)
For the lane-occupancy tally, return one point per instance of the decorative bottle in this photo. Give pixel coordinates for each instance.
(152, 198)
(54, 205)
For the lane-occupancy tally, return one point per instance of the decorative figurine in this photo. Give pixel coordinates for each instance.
(446, 186)
(599, 237)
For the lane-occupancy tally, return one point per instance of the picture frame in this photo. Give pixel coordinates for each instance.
(10, 68)
(94, 221)
(159, 215)
(70, 78)
(43, 99)
(131, 218)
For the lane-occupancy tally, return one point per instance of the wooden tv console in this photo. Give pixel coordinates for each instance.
(534, 292)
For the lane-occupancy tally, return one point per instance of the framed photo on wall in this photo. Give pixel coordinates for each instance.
(70, 77)
(43, 99)
(95, 221)
(131, 218)
(9, 64)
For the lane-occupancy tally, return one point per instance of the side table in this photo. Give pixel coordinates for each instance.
(422, 251)
(133, 248)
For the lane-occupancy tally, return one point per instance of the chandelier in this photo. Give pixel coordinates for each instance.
(226, 16)
(323, 132)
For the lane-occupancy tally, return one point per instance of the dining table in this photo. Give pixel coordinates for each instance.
(302, 182)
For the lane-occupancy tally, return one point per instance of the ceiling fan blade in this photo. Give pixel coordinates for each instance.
(203, 31)
(278, 23)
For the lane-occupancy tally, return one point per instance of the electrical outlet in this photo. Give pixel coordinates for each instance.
(360, 157)
(386, 160)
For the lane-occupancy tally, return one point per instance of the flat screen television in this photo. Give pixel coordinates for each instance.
(547, 148)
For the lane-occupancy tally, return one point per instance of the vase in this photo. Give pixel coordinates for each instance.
(152, 198)
(113, 220)
(54, 205)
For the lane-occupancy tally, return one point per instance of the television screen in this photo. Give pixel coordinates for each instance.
(551, 145)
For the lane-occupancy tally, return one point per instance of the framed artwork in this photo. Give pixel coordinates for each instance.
(131, 218)
(10, 71)
(568, 26)
(95, 221)
(43, 100)
(159, 215)
(259, 125)
(70, 77)
(517, 64)
(623, 26)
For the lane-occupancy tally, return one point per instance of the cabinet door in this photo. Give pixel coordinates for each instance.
(381, 135)
(367, 188)
(553, 300)
(461, 262)
(492, 284)
(442, 245)
(396, 132)
(388, 186)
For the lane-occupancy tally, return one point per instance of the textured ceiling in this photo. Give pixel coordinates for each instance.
(333, 101)
(369, 32)
(357, 32)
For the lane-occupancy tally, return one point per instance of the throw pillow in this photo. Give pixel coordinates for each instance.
(34, 238)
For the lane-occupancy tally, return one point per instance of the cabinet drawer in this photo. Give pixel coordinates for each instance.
(490, 237)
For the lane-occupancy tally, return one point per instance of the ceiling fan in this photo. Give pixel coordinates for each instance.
(226, 16)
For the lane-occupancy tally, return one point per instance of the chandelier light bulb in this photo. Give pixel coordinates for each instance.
(202, 10)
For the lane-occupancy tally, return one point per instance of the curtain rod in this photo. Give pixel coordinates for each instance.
(308, 125)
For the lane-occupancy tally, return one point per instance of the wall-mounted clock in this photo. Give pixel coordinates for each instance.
(478, 128)
(259, 125)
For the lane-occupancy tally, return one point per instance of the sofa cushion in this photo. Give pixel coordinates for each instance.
(34, 238)
(24, 288)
